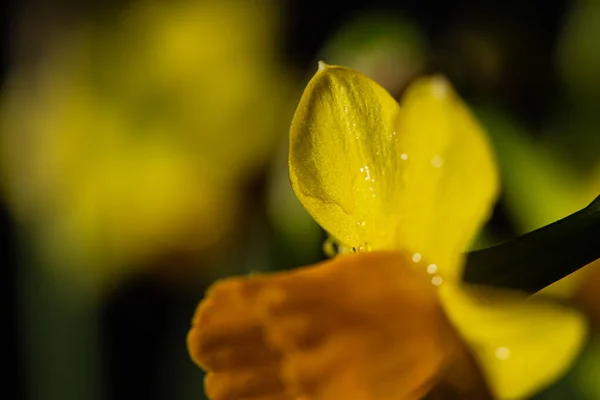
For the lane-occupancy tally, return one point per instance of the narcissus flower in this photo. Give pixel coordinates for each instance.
(403, 188)
(124, 163)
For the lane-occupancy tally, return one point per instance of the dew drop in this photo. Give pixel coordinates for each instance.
(437, 161)
(367, 173)
(502, 353)
(437, 280)
(404, 156)
(416, 257)
(432, 269)
(440, 87)
(330, 248)
(364, 247)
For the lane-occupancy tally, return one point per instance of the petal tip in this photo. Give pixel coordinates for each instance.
(322, 66)
(440, 86)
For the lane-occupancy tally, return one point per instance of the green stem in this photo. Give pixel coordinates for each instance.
(539, 258)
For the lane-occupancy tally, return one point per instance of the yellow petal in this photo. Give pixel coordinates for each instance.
(521, 344)
(419, 177)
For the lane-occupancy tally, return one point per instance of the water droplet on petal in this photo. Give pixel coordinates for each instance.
(330, 247)
(437, 280)
(367, 173)
(440, 87)
(416, 257)
(437, 161)
(431, 269)
(404, 156)
(364, 247)
(502, 353)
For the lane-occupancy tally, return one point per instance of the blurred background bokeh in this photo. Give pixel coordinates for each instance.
(143, 154)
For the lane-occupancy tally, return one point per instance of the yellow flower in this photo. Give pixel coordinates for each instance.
(405, 187)
(112, 150)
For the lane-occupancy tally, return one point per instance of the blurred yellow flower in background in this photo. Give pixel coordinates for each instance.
(137, 138)
(406, 187)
